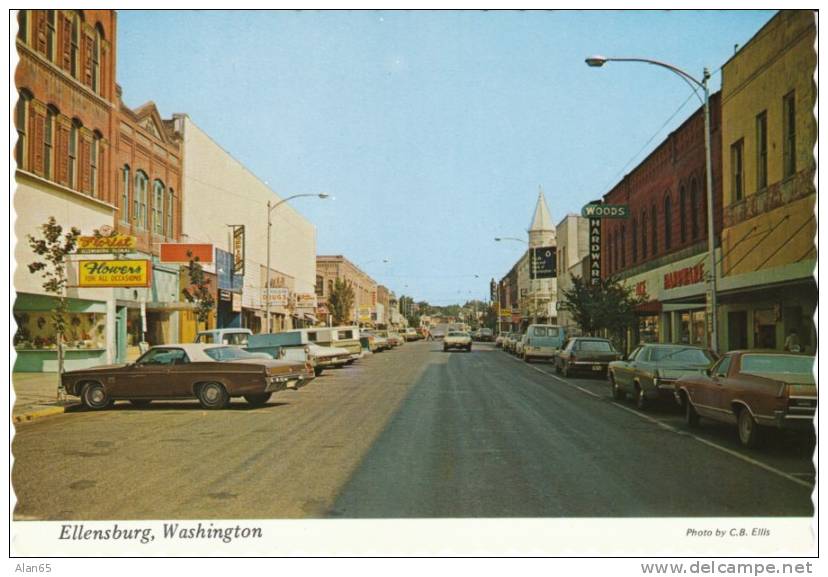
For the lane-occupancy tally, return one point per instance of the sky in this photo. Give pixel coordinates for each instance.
(432, 130)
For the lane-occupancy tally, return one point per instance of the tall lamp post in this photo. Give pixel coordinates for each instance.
(531, 275)
(597, 62)
(270, 209)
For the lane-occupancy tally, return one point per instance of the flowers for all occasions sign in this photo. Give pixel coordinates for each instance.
(114, 273)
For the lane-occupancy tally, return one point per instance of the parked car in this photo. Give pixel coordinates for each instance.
(380, 342)
(649, 372)
(499, 340)
(509, 342)
(234, 336)
(586, 354)
(411, 334)
(210, 373)
(541, 342)
(517, 346)
(457, 340)
(485, 335)
(295, 346)
(755, 390)
(438, 332)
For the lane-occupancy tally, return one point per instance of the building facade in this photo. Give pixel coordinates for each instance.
(573, 246)
(661, 250)
(221, 193)
(769, 133)
(329, 268)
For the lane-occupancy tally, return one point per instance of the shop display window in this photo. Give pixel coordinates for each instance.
(648, 329)
(36, 331)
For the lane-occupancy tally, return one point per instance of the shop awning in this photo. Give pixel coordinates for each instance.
(650, 307)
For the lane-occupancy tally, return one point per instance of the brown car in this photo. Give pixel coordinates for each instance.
(755, 390)
(210, 373)
(587, 354)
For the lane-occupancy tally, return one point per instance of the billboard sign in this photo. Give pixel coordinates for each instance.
(172, 252)
(279, 296)
(114, 273)
(543, 262)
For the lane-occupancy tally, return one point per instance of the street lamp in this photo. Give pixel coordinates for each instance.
(531, 275)
(597, 61)
(270, 209)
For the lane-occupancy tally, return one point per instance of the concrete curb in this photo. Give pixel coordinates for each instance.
(41, 413)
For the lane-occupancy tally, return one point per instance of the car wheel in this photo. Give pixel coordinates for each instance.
(691, 417)
(565, 370)
(527, 358)
(749, 432)
(95, 397)
(318, 371)
(213, 396)
(617, 393)
(257, 400)
(641, 400)
(140, 403)
(557, 367)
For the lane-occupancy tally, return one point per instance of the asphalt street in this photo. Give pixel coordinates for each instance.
(413, 432)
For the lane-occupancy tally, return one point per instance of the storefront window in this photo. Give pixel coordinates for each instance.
(35, 330)
(764, 328)
(648, 329)
(698, 328)
(684, 328)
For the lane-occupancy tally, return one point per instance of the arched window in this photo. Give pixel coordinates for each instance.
(125, 195)
(654, 229)
(644, 234)
(139, 208)
(170, 213)
(634, 240)
(21, 119)
(73, 153)
(94, 161)
(682, 215)
(158, 207)
(48, 141)
(694, 209)
(668, 221)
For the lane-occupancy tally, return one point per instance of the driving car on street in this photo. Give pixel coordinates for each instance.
(207, 372)
(457, 340)
(587, 354)
(649, 372)
(755, 390)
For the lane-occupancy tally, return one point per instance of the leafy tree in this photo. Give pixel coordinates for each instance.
(199, 291)
(54, 246)
(341, 301)
(608, 305)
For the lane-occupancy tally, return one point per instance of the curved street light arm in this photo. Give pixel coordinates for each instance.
(691, 80)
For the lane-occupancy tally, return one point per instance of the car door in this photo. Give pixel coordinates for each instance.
(149, 377)
(624, 371)
(719, 391)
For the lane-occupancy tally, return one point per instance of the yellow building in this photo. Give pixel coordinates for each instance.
(768, 135)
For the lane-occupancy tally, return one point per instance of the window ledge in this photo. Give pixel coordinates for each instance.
(62, 188)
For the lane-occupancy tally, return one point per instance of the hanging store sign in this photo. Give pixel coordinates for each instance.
(605, 211)
(114, 273)
(182, 253)
(365, 314)
(594, 251)
(238, 250)
(237, 302)
(305, 300)
(115, 243)
(543, 262)
(279, 296)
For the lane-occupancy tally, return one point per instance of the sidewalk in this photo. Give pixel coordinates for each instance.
(37, 396)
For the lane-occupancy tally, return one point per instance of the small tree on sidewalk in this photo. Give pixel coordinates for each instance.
(608, 305)
(55, 246)
(341, 301)
(199, 291)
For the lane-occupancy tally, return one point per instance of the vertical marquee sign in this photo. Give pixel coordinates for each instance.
(238, 250)
(594, 248)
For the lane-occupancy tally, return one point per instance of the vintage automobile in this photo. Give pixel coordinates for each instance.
(509, 342)
(411, 334)
(211, 373)
(648, 373)
(457, 340)
(499, 340)
(485, 335)
(588, 354)
(755, 390)
(540, 342)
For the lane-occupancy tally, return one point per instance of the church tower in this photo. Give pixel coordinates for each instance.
(541, 229)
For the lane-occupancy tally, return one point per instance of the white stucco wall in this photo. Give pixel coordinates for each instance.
(218, 190)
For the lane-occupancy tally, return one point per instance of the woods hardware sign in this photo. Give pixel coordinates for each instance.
(114, 273)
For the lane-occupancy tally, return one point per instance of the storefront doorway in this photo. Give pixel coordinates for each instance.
(737, 330)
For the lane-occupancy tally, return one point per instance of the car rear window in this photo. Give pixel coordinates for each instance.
(457, 334)
(600, 346)
(777, 364)
(680, 355)
(345, 335)
(228, 354)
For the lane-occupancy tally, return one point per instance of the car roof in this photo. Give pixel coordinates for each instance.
(196, 351)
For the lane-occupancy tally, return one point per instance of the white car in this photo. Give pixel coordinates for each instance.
(457, 340)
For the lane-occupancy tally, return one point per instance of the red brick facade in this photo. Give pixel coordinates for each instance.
(667, 197)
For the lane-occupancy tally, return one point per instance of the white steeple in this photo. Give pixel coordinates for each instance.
(542, 229)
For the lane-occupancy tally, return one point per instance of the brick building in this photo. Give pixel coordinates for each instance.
(329, 268)
(661, 249)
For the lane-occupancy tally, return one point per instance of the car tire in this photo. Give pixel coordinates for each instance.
(318, 371)
(565, 370)
(140, 403)
(557, 367)
(691, 417)
(527, 358)
(213, 396)
(748, 430)
(257, 400)
(617, 393)
(95, 397)
(641, 400)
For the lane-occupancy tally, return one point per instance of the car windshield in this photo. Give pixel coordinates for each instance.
(687, 355)
(457, 334)
(788, 364)
(228, 354)
(600, 346)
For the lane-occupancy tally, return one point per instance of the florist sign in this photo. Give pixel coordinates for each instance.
(106, 244)
(114, 273)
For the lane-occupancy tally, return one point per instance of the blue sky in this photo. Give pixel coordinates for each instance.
(433, 130)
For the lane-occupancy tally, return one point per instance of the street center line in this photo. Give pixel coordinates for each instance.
(664, 425)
